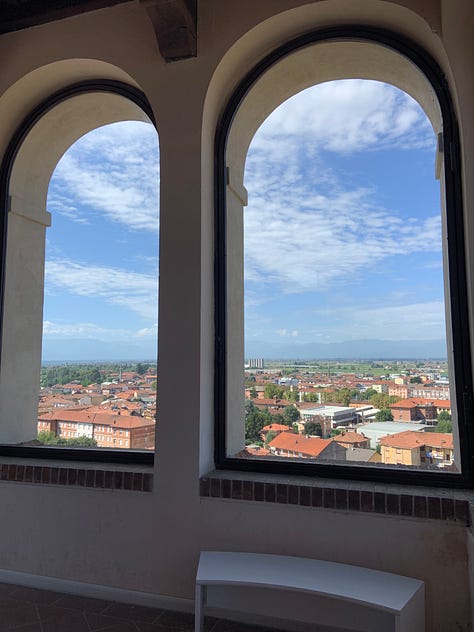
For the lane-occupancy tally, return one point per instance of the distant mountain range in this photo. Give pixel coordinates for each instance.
(349, 350)
(92, 350)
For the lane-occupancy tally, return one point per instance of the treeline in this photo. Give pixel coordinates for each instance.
(49, 438)
(256, 420)
(87, 373)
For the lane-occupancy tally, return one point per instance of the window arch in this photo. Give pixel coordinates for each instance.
(29, 161)
(324, 55)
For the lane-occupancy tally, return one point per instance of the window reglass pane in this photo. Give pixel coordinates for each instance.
(99, 368)
(345, 333)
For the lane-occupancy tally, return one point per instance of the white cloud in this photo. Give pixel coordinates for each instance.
(148, 331)
(349, 116)
(306, 242)
(413, 321)
(114, 171)
(135, 291)
(92, 330)
(287, 333)
(308, 227)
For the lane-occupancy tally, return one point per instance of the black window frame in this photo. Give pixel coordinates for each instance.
(457, 279)
(136, 96)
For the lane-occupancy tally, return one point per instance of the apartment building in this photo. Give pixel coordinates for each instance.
(417, 448)
(291, 445)
(419, 409)
(110, 430)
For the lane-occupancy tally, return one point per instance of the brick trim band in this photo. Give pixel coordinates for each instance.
(406, 505)
(77, 477)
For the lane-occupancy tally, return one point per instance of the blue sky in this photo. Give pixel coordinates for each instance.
(343, 230)
(102, 248)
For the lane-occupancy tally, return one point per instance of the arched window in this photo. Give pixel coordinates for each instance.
(342, 197)
(29, 164)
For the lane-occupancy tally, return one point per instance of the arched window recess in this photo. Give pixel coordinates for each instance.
(28, 163)
(332, 54)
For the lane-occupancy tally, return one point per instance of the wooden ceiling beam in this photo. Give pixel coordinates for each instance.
(16, 15)
(175, 25)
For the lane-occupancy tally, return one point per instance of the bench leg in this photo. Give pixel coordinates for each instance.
(200, 602)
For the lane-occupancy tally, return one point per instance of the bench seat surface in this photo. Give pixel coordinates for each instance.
(384, 591)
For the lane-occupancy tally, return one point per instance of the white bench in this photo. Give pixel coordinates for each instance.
(309, 591)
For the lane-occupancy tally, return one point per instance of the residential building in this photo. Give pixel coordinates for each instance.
(108, 430)
(289, 444)
(417, 448)
(419, 409)
(352, 439)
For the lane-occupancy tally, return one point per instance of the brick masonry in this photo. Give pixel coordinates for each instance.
(406, 505)
(77, 477)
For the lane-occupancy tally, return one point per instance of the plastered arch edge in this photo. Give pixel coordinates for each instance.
(24, 261)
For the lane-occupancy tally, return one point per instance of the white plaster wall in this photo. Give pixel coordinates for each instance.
(150, 542)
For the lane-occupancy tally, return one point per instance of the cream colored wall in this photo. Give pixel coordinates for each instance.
(408, 457)
(150, 542)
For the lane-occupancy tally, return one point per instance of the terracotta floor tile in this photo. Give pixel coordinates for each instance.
(133, 613)
(18, 615)
(35, 595)
(232, 626)
(99, 622)
(158, 627)
(176, 619)
(86, 604)
(60, 621)
(48, 614)
(124, 626)
(25, 609)
(31, 627)
(6, 601)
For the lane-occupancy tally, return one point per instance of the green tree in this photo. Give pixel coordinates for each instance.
(313, 428)
(293, 396)
(370, 392)
(384, 414)
(273, 390)
(445, 423)
(81, 442)
(415, 380)
(342, 396)
(47, 438)
(255, 420)
(141, 368)
(290, 415)
(270, 436)
(381, 400)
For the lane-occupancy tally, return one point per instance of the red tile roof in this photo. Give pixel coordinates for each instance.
(275, 427)
(299, 443)
(264, 401)
(350, 437)
(103, 419)
(410, 439)
(412, 402)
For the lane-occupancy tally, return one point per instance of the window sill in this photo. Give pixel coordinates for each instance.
(137, 478)
(449, 505)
